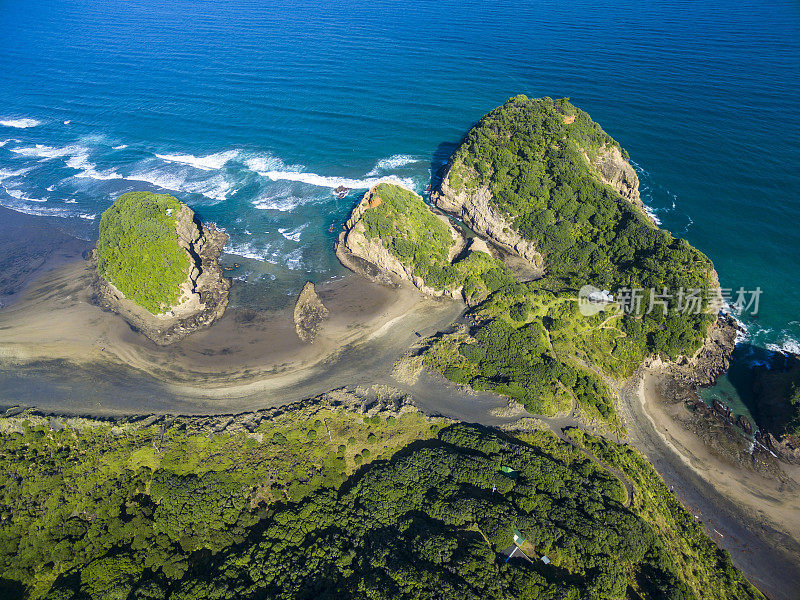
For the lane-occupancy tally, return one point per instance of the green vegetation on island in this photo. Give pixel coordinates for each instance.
(530, 341)
(138, 250)
(539, 165)
(285, 511)
(413, 234)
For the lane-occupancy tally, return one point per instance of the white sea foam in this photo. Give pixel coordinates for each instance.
(280, 202)
(48, 152)
(6, 174)
(21, 203)
(161, 179)
(70, 201)
(76, 157)
(293, 260)
(20, 123)
(120, 147)
(20, 195)
(217, 188)
(248, 250)
(292, 234)
(268, 162)
(36, 212)
(651, 213)
(393, 162)
(334, 182)
(211, 162)
(88, 217)
(786, 345)
(80, 162)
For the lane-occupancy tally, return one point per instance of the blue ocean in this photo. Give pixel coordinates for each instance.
(253, 112)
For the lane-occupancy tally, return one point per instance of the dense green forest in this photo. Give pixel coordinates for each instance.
(72, 492)
(529, 341)
(289, 511)
(138, 249)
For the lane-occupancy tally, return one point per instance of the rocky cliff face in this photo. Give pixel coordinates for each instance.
(204, 293)
(475, 209)
(617, 172)
(309, 314)
(712, 359)
(371, 259)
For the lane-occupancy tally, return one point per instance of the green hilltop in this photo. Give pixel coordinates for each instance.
(138, 250)
(409, 230)
(529, 341)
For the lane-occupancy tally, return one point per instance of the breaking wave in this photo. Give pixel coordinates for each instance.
(211, 162)
(334, 182)
(393, 162)
(20, 123)
(786, 345)
(292, 235)
(248, 250)
(281, 202)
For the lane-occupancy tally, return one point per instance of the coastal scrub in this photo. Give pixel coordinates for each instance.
(138, 250)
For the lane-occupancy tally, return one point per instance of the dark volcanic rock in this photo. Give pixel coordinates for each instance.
(309, 313)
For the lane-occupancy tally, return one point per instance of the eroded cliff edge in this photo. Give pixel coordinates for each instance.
(476, 206)
(369, 256)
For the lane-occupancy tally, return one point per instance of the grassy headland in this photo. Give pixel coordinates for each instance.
(537, 160)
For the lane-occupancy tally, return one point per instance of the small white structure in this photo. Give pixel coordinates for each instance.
(518, 540)
(601, 297)
(545, 560)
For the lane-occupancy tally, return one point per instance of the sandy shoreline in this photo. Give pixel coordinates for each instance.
(247, 359)
(754, 517)
(30, 247)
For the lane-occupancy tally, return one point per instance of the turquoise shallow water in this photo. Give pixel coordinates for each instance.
(252, 112)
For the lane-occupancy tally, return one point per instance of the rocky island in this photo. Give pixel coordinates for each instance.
(157, 266)
(309, 314)
(393, 236)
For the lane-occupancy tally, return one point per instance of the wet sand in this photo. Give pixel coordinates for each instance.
(29, 247)
(61, 353)
(755, 518)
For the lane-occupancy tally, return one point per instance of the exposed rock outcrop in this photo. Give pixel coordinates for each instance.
(713, 358)
(475, 209)
(204, 293)
(309, 314)
(371, 259)
(617, 172)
